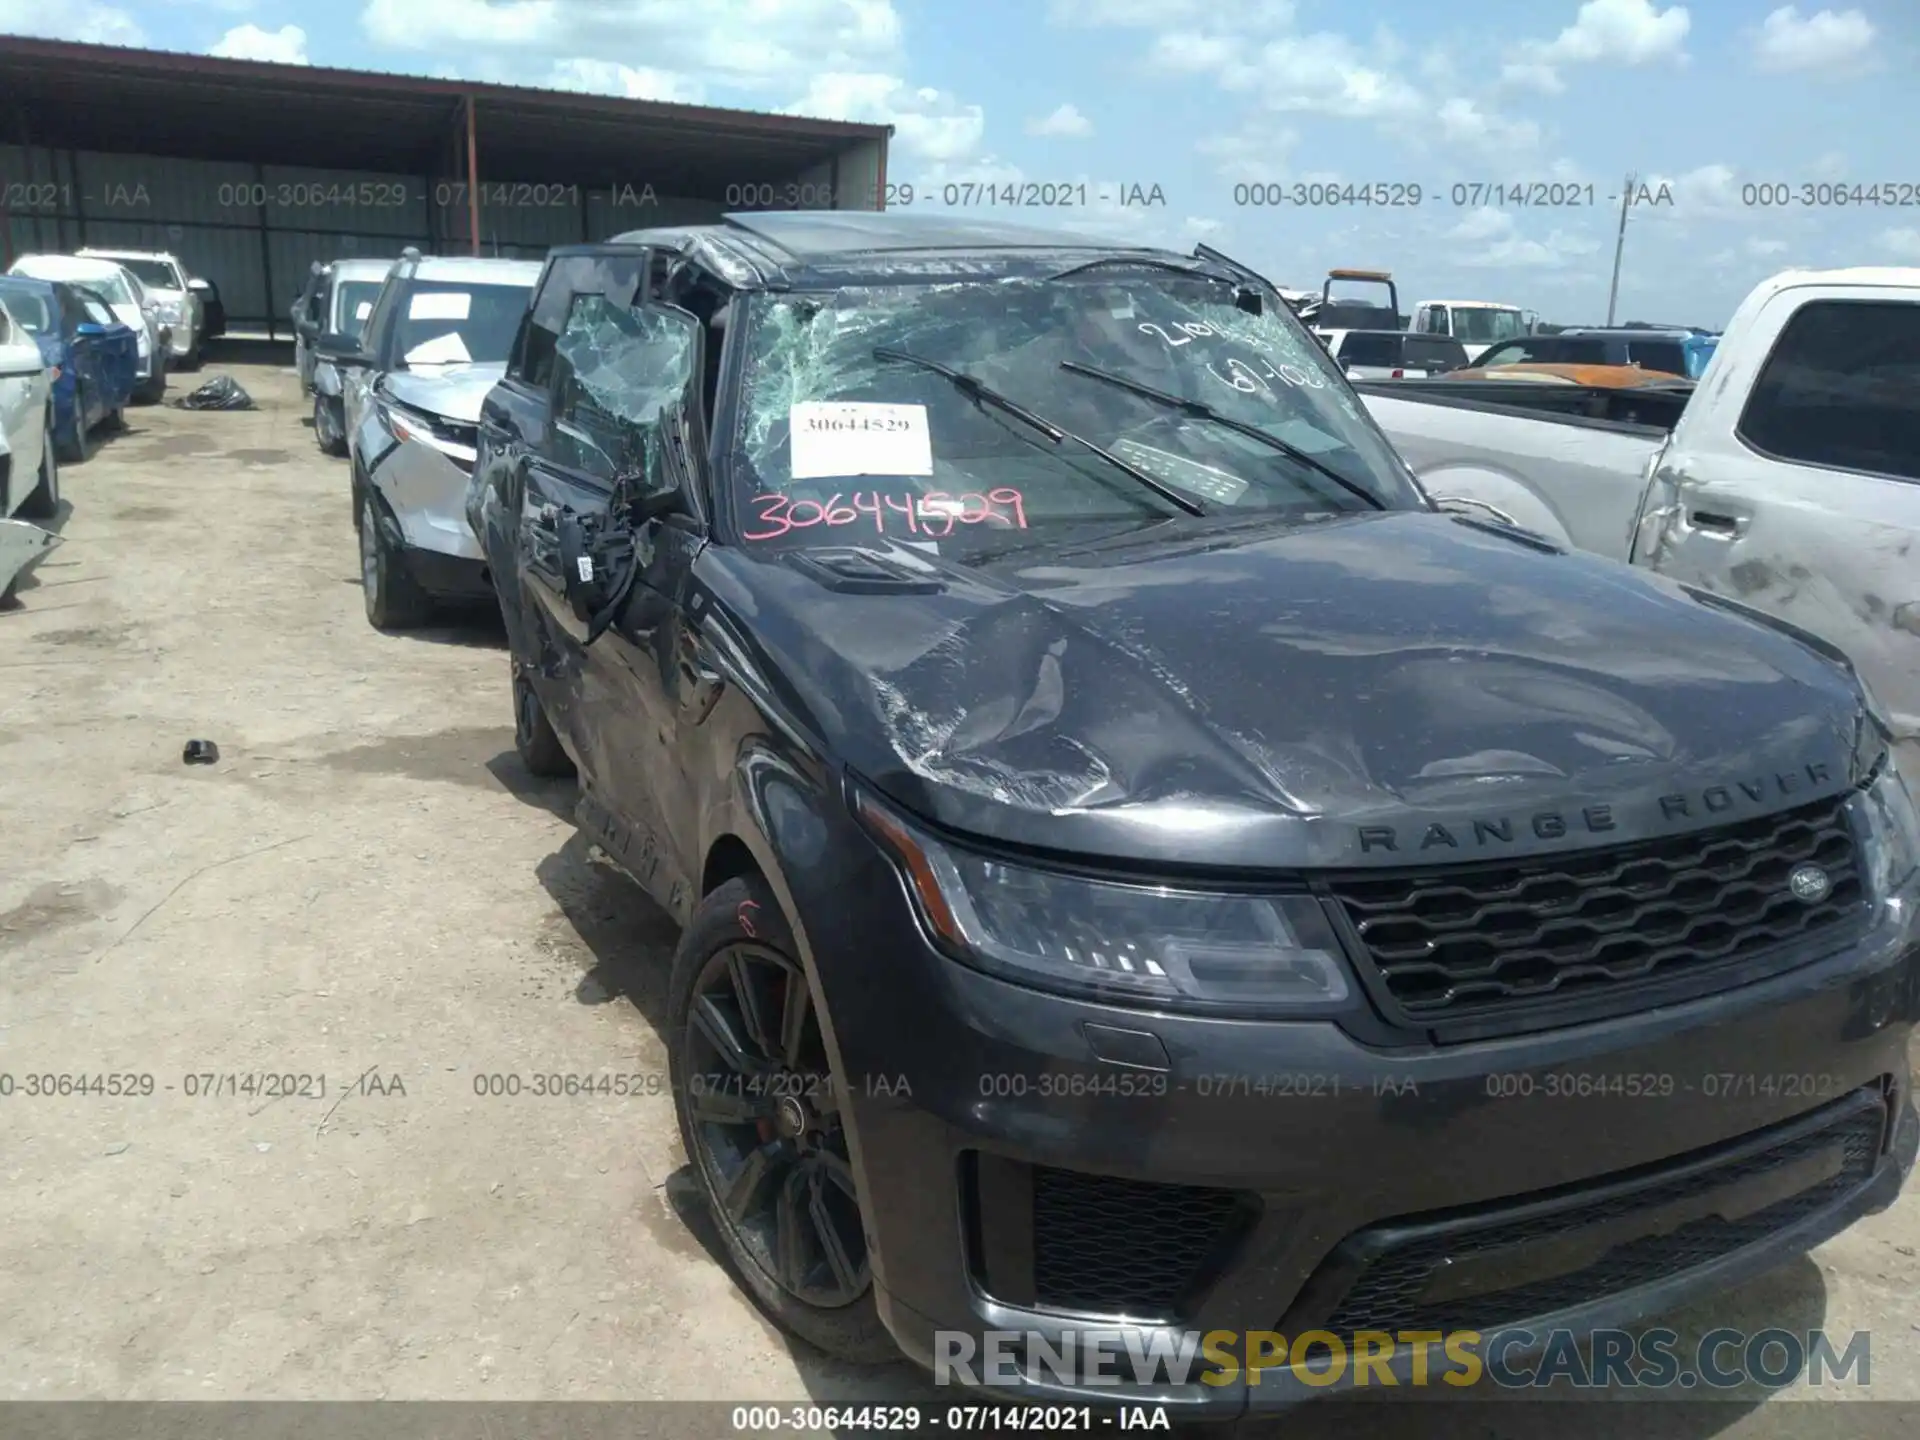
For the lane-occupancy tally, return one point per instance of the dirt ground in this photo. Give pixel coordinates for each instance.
(368, 890)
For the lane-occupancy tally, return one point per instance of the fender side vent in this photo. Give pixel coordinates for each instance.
(862, 572)
(1529, 538)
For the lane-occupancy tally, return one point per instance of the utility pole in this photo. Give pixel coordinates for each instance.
(1620, 245)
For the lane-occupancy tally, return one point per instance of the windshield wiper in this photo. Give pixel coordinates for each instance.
(981, 394)
(1199, 409)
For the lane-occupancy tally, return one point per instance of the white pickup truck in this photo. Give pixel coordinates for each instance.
(1788, 479)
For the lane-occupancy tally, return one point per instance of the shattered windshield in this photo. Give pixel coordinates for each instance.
(1484, 326)
(835, 443)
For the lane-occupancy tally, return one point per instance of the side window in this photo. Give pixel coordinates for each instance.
(73, 310)
(1582, 352)
(532, 359)
(373, 337)
(622, 374)
(1662, 355)
(1442, 322)
(1513, 354)
(616, 275)
(1838, 390)
(1434, 352)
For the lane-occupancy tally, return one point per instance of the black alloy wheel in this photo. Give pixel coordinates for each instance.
(766, 1126)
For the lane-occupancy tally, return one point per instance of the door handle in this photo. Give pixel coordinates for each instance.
(1717, 524)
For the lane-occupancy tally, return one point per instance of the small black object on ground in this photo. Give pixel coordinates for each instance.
(200, 752)
(222, 392)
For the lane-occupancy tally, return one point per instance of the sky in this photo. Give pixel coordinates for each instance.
(1179, 121)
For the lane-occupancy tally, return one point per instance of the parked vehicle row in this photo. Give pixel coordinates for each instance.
(401, 354)
(1037, 684)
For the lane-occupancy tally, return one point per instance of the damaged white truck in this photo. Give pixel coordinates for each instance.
(1789, 482)
(29, 469)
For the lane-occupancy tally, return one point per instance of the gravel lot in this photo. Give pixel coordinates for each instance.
(368, 890)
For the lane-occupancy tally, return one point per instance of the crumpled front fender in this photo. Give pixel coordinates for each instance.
(22, 546)
(326, 379)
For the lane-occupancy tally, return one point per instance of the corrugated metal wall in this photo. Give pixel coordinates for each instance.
(254, 230)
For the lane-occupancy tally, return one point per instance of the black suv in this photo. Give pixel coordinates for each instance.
(1141, 866)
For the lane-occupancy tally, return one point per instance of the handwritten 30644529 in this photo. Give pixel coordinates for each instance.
(932, 515)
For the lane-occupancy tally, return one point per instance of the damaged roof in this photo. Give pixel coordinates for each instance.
(787, 247)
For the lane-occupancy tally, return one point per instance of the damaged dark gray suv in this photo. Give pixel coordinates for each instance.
(1142, 867)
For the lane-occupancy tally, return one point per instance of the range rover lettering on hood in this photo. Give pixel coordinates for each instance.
(1676, 810)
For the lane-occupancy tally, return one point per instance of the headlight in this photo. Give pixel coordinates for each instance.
(168, 311)
(1893, 833)
(1142, 944)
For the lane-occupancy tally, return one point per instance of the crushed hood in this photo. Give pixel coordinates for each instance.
(453, 391)
(1257, 700)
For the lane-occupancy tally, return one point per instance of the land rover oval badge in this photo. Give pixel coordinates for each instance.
(1809, 883)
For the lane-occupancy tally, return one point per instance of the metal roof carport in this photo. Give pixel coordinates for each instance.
(250, 171)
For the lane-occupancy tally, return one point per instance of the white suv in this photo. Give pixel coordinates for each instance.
(177, 292)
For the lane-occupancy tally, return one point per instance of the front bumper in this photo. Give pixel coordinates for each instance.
(183, 340)
(427, 491)
(1035, 1163)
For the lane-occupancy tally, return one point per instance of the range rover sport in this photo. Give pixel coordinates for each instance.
(1141, 865)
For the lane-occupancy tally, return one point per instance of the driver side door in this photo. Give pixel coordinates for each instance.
(625, 377)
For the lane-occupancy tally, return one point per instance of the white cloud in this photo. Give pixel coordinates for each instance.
(749, 44)
(87, 21)
(1489, 238)
(1902, 244)
(1157, 14)
(1066, 121)
(1184, 53)
(1827, 40)
(928, 123)
(1256, 156)
(285, 46)
(1764, 248)
(607, 77)
(1463, 122)
(1621, 32)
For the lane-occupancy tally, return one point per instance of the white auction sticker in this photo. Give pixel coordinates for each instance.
(835, 438)
(363, 309)
(440, 305)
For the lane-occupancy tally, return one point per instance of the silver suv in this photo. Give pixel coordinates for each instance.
(177, 298)
(433, 345)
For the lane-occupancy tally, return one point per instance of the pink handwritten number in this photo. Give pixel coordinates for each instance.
(1004, 507)
(771, 507)
(906, 508)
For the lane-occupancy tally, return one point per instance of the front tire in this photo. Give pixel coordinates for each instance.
(759, 1111)
(44, 502)
(394, 598)
(75, 449)
(326, 434)
(533, 733)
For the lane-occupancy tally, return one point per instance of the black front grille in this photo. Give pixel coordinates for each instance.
(1462, 942)
(1390, 1289)
(1126, 1247)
